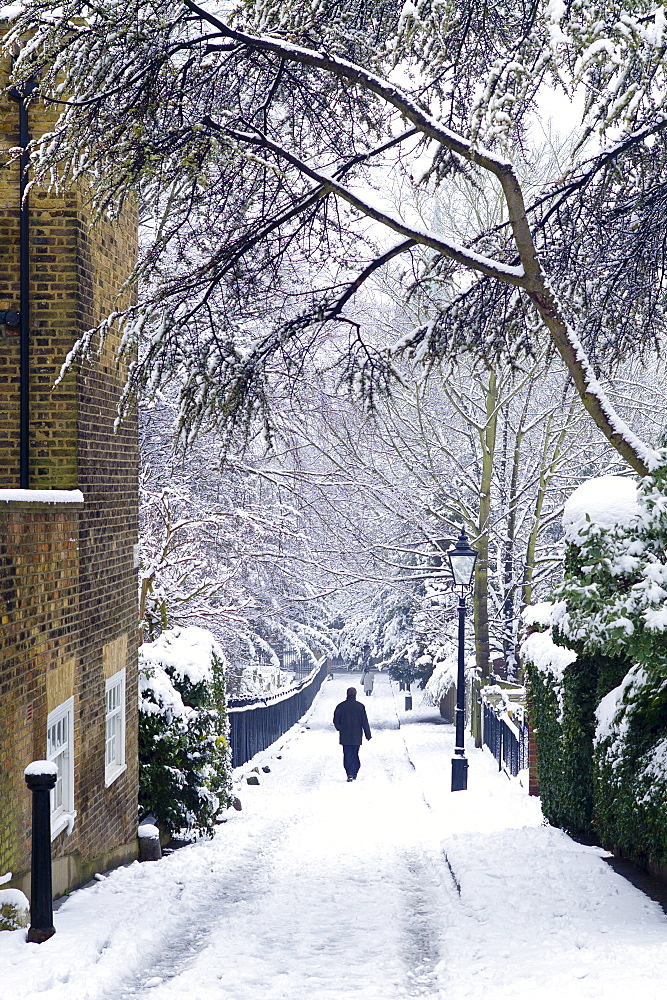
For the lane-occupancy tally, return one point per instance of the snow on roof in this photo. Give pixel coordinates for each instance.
(607, 500)
(42, 496)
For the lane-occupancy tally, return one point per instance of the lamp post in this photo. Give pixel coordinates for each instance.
(462, 561)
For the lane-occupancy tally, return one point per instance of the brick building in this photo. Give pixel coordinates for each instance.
(68, 607)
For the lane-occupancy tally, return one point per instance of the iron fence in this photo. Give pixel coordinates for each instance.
(507, 742)
(256, 723)
(296, 661)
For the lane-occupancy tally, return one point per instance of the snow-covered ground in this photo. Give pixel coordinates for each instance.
(384, 889)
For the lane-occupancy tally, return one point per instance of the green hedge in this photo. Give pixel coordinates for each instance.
(564, 721)
(631, 773)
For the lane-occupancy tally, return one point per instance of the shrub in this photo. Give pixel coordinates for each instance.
(612, 612)
(184, 756)
(631, 765)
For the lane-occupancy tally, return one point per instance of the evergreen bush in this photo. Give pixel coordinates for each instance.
(601, 724)
(184, 754)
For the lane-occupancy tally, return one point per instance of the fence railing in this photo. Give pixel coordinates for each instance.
(507, 742)
(258, 722)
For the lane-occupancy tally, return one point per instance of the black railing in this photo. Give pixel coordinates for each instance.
(256, 723)
(507, 742)
(296, 661)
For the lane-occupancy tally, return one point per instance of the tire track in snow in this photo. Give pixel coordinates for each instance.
(428, 900)
(245, 881)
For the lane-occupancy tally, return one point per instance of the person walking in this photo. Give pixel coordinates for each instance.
(351, 721)
(367, 681)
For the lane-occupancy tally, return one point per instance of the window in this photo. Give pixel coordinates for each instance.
(114, 760)
(60, 751)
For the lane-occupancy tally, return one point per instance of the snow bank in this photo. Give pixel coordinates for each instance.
(606, 501)
(42, 496)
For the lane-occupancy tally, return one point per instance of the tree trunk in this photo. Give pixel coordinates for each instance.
(481, 590)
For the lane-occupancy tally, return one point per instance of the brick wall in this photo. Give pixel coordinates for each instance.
(39, 583)
(67, 583)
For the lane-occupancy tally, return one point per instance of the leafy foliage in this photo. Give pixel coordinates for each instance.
(564, 721)
(615, 586)
(631, 764)
(601, 729)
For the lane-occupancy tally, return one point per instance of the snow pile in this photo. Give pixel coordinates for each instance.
(147, 831)
(14, 910)
(606, 502)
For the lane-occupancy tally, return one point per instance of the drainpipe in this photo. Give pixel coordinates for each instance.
(24, 287)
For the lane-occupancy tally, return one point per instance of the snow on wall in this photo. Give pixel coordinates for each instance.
(605, 501)
(42, 496)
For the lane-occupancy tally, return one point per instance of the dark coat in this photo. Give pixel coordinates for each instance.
(351, 721)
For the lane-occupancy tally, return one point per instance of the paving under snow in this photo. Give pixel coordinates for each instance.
(384, 889)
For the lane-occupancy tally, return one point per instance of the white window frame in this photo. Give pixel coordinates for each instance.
(60, 751)
(113, 768)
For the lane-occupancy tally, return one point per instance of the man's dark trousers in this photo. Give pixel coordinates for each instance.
(351, 761)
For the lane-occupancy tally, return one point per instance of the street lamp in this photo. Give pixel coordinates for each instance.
(462, 561)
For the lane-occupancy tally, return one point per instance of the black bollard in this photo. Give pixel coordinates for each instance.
(408, 703)
(40, 778)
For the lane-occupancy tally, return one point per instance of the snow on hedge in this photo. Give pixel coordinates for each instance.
(606, 501)
(540, 650)
(188, 651)
(612, 712)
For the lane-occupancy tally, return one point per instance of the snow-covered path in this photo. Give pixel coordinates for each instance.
(345, 898)
(384, 889)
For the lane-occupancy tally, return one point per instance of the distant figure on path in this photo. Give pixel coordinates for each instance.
(351, 721)
(367, 680)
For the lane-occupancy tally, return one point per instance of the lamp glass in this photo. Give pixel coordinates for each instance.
(463, 567)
